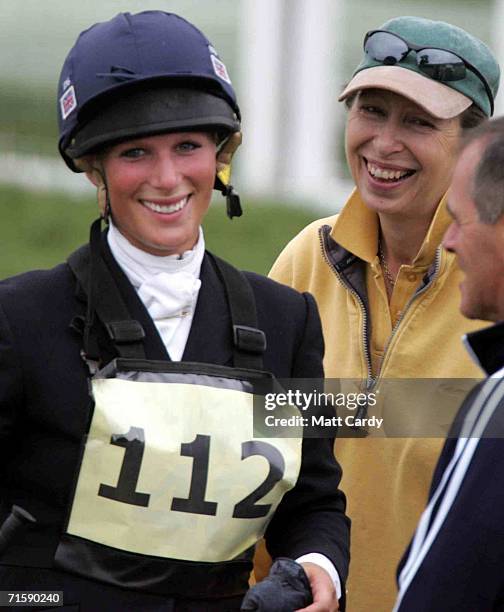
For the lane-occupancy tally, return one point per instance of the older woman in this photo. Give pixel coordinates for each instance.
(150, 496)
(386, 291)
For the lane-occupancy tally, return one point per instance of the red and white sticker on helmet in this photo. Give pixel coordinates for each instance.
(68, 102)
(220, 69)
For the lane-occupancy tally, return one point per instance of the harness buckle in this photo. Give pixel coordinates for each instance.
(249, 339)
(124, 332)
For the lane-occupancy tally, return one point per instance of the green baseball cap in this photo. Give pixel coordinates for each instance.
(443, 89)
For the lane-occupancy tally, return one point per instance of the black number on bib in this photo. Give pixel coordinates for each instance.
(134, 443)
(199, 449)
(248, 508)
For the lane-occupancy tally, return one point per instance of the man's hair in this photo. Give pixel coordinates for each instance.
(488, 186)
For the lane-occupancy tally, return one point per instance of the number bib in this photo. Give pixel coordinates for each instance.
(170, 467)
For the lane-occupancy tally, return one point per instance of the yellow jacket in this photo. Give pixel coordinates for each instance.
(386, 480)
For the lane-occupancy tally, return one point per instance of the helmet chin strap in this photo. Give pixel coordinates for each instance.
(223, 178)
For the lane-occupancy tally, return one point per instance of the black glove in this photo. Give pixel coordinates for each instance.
(285, 589)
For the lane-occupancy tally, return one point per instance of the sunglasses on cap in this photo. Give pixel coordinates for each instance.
(438, 64)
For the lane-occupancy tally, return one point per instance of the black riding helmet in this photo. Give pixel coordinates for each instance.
(145, 74)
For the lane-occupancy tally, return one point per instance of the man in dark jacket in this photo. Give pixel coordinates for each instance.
(455, 560)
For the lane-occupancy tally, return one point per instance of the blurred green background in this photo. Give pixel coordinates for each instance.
(41, 230)
(40, 227)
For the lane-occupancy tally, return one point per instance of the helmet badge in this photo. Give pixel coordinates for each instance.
(68, 102)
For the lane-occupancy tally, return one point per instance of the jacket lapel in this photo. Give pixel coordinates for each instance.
(154, 347)
(210, 338)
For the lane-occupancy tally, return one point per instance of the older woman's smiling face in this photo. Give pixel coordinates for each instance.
(401, 157)
(160, 189)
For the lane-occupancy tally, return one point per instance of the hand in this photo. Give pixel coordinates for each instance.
(284, 589)
(323, 591)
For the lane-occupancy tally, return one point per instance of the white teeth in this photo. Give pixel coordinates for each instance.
(171, 208)
(385, 174)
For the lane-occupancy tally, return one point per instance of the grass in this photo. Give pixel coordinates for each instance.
(28, 118)
(41, 230)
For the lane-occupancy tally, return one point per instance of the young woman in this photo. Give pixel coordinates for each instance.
(148, 493)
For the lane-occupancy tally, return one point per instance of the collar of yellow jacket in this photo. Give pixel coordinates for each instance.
(356, 230)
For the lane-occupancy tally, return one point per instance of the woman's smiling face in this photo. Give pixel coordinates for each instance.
(400, 156)
(160, 188)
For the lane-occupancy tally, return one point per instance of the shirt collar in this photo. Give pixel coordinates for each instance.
(486, 347)
(356, 230)
(140, 265)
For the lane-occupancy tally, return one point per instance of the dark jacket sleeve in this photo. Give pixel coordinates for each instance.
(10, 385)
(444, 459)
(311, 517)
(462, 568)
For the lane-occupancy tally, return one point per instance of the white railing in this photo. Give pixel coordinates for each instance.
(37, 173)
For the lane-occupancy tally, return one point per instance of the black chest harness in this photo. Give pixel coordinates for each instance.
(104, 301)
(172, 490)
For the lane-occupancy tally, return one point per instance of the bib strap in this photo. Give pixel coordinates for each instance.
(106, 301)
(249, 341)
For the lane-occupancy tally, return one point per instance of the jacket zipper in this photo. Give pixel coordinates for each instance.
(372, 380)
(437, 267)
